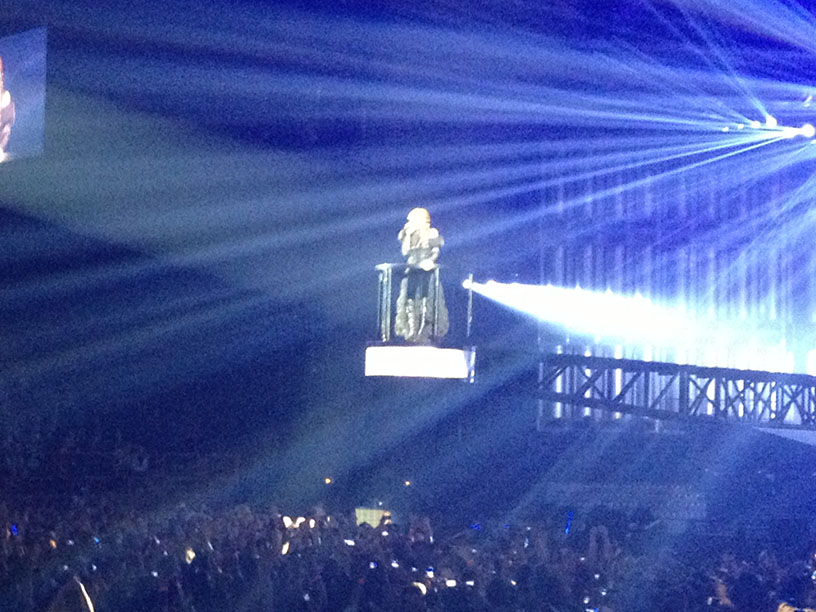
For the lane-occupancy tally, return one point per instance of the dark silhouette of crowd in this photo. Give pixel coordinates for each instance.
(66, 543)
(255, 558)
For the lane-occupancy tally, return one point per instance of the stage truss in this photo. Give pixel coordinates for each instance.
(670, 391)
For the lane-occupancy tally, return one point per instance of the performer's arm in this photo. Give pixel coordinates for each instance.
(434, 241)
(405, 239)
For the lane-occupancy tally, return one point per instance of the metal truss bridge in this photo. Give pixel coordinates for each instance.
(671, 391)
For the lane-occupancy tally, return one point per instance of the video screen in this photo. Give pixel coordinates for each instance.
(22, 94)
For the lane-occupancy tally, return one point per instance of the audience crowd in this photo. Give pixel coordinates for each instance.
(238, 557)
(78, 545)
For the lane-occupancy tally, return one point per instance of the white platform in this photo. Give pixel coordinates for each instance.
(420, 362)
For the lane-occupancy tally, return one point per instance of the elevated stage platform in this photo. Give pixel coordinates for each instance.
(577, 386)
(420, 362)
(417, 357)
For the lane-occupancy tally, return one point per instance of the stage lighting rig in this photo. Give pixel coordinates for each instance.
(772, 130)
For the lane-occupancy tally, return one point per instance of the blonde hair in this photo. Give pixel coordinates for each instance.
(419, 214)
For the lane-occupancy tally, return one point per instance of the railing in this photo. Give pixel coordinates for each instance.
(385, 297)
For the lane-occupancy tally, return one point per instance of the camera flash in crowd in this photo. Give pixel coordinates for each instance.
(285, 548)
(189, 555)
(327, 480)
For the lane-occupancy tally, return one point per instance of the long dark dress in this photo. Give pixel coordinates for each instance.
(422, 317)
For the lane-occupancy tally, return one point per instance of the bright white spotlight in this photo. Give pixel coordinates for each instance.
(631, 320)
(726, 128)
(808, 131)
(740, 126)
(770, 121)
(599, 314)
(756, 124)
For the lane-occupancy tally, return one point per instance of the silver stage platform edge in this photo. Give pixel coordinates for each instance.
(420, 362)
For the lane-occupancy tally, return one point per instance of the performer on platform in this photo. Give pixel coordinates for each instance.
(6, 114)
(421, 313)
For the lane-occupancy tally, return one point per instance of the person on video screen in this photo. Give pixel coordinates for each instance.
(6, 113)
(417, 298)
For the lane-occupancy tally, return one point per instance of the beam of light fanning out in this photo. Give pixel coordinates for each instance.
(643, 327)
